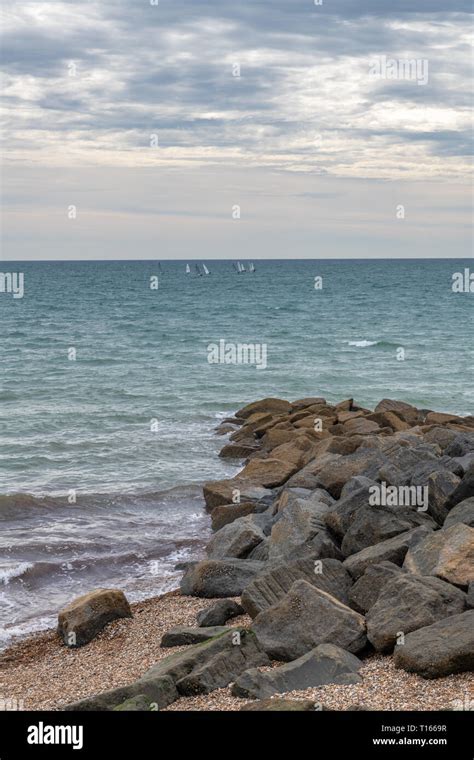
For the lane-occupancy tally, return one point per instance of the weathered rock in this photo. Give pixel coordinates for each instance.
(470, 595)
(227, 513)
(325, 664)
(440, 418)
(237, 451)
(447, 553)
(302, 403)
(440, 649)
(279, 705)
(304, 618)
(267, 405)
(219, 492)
(408, 602)
(81, 620)
(372, 525)
(307, 477)
(140, 703)
(336, 473)
(406, 412)
(261, 551)
(198, 669)
(441, 436)
(270, 472)
(299, 525)
(462, 513)
(365, 591)
(271, 585)
(340, 516)
(462, 444)
(393, 550)
(441, 485)
(465, 490)
(159, 693)
(388, 419)
(354, 485)
(183, 635)
(235, 540)
(219, 578)
(219, 613)
(360, 426)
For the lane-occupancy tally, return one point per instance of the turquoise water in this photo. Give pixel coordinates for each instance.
(128, 427)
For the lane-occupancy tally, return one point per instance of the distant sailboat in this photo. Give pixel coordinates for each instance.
(198, 271)
(240, 268)
(188, 269)
(206, 270)
(160, 268)
(251, 268)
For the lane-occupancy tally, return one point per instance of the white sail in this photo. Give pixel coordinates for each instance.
(242, 268)
(252, 268)
(188, 269)
(206, 270)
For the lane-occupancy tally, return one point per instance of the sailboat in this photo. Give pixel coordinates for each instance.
(198, 271)
(251, 268)
(206, 270)
(188, 269)
(240, 268)
(160, 268)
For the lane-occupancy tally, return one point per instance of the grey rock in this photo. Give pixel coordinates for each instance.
(356, 484)
(462, 444)
(394, 550)
(304, 618)
(198, 669)
(237, 539)
(464, 490)
(298, 524)
(440, 649)
(183, 635)
(140, 703)
(365, 591)
(470, 596)
(462, 513)
(270, 586)
(446, 553)
(372, 525)
(406, 603)
(83, 618)
(219, 613)
(325, 664)
(339, 518)
(214, 579)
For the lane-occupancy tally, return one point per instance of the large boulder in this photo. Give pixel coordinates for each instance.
(236, 539)
(408, 602)
(325, 664)
(219, 613)
(219, 492)
(270, 586)
(81, 620)
(265, 405)
(462, 513)
(339, 518)
(227, 513)
(214, 579)
(447, 553)
(406, 412)
(299, 523)
(304, 618)
(335, 474)
(393, 550)
(372, 525)
(237, 451)
(198, 669)
(270, 472)
(440, 649)
(365, 591)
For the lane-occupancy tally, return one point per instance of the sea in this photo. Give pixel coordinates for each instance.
(111, 388)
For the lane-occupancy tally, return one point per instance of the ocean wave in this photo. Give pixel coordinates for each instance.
(17, 571)
(363, 343)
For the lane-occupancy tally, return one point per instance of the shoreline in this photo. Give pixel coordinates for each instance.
(288, 462)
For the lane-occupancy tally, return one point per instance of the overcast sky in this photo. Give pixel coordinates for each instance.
(133, 114)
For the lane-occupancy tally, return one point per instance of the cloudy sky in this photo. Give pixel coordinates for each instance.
(132, 118)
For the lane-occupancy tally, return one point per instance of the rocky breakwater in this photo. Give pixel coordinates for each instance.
(347, 531)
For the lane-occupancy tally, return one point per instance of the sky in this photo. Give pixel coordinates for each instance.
(209, 129)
